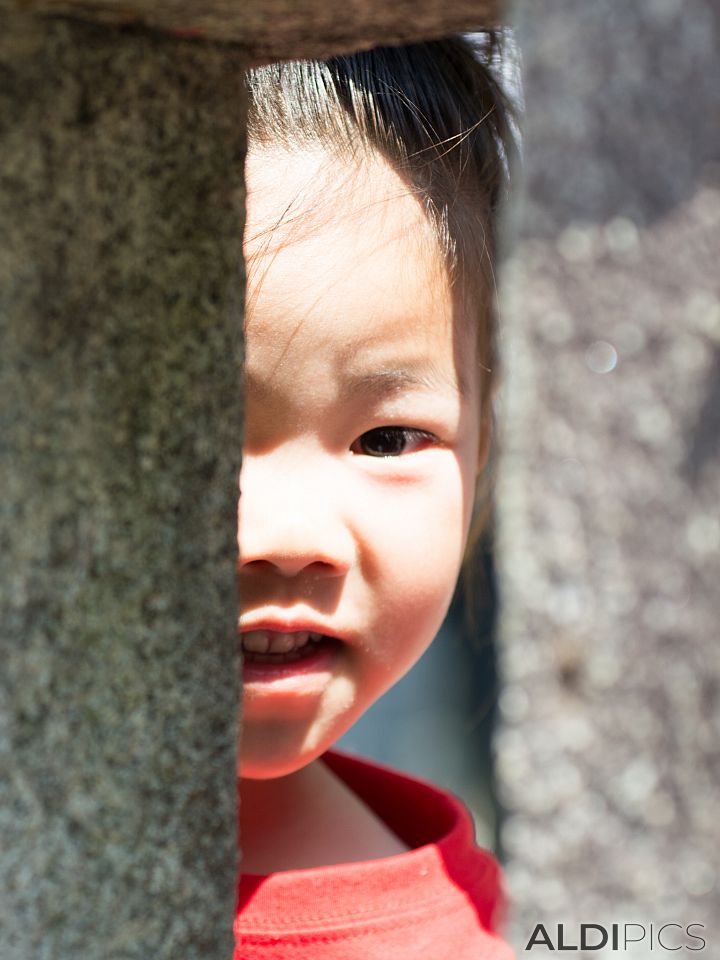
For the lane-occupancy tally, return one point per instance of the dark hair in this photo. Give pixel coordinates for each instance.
(437, 113)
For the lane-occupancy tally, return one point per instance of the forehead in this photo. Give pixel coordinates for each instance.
(341, 251)
(294, 192)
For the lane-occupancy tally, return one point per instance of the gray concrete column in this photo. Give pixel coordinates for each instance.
(610, 484)
(120, 326)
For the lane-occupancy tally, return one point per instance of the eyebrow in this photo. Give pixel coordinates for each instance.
(381, 384)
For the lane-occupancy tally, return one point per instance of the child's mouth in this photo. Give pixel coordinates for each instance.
(272, 646)
(270, 654)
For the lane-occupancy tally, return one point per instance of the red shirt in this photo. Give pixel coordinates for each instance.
(442, 900)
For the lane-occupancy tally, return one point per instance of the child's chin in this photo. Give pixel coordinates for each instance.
(263, 761)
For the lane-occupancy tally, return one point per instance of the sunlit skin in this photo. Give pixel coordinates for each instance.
(351, 326)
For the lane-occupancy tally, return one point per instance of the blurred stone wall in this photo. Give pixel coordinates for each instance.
(609, 756)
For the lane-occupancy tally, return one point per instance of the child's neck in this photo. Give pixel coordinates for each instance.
(308, 819)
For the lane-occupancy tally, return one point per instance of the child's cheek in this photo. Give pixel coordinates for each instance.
(419, 538)
(420, 526)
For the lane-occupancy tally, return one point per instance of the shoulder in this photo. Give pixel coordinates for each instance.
(442, 896)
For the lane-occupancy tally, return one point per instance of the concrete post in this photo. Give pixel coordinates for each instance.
(120, 366)
(120, 318)
(608, 498)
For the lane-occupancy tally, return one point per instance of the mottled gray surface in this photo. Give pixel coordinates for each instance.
(609, 756)
(286, 29)
(120, 283)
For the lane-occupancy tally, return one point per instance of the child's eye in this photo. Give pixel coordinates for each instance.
(390, 441)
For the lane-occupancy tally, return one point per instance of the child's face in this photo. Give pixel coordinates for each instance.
(354, 349)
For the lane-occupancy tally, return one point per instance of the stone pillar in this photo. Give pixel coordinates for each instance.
(285, 29)
(609, 755)
(120, 431)
(120, 375)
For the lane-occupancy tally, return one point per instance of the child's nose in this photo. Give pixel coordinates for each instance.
(290, 525)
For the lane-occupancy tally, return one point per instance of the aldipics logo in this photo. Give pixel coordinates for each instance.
(617, 936)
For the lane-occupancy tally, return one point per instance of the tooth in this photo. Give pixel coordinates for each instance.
(281, 642)
(286, 642)
(256, 641)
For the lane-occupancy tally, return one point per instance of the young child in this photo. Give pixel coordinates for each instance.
(373, 181)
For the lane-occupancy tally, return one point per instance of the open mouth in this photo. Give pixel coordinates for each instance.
(273, 647)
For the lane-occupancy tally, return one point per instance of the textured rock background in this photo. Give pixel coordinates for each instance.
(120, 315)
(609, 756)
